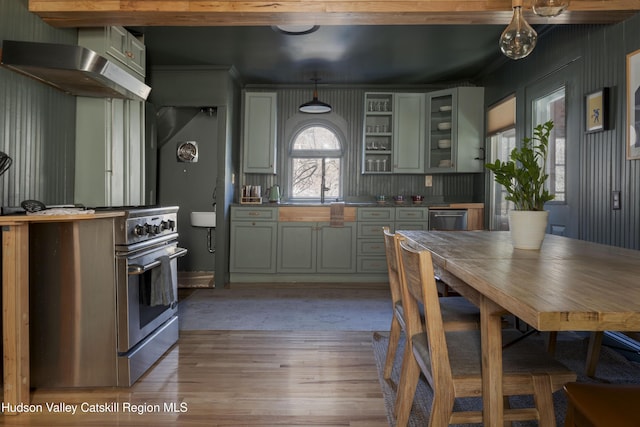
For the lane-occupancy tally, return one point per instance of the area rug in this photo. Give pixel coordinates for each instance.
(300, 307)
(571, 350)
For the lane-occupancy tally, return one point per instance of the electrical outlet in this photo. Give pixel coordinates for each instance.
(428, 181)
(615, 200)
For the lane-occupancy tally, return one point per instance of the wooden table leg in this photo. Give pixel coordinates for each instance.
(492, 394)
(593, 354)
(15, 314)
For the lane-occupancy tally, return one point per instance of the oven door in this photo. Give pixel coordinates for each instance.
(138, 317)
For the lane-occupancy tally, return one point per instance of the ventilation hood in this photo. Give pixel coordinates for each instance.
(75, 70)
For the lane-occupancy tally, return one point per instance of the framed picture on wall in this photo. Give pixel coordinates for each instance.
(633, 105)
(596, 114)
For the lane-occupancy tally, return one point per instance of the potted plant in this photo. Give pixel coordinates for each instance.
(524, 177)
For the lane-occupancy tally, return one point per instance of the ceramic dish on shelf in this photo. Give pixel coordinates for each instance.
(444, 143)
(444, 126)
(444, 164)
(445, 108)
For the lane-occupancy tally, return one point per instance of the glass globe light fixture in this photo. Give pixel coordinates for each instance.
(518, 39)
(549, 8)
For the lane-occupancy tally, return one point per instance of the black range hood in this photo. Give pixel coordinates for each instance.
(75, 70)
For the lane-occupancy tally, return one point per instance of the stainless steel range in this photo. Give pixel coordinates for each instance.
(103, 297)
(145, 238)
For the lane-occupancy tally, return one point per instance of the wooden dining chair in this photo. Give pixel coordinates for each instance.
(458, 312)
(602, 405)
(451, 360)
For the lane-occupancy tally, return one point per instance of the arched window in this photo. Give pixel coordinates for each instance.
(315, 155)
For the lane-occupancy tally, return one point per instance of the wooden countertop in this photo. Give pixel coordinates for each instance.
(20, 219)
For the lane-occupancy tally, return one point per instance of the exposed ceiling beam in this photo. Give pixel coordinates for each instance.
(86, 13)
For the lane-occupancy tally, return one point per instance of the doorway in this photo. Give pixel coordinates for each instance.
(556, 97)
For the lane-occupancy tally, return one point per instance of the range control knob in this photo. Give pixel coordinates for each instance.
(168, 225)
(141, 230)
(154, 229)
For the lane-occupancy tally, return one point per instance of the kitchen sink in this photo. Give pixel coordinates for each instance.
(203, 219)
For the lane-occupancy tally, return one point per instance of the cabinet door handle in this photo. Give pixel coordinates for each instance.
(129, 54)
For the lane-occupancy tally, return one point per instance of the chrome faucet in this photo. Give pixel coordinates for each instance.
(323, 186)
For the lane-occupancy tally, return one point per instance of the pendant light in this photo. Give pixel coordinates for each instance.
(314, 106)
(518, 39)
(549, 8)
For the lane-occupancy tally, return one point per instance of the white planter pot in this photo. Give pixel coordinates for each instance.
(528, 228)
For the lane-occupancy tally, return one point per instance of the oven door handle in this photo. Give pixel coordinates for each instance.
(135, 269)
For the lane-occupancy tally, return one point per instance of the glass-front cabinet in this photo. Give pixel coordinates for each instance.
(378, 122)
(455, 120)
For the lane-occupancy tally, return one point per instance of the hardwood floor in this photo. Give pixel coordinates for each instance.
(236, 378)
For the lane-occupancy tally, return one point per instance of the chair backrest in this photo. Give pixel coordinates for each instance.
(419, 287)
(392, 264)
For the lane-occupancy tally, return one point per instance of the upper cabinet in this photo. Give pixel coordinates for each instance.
(393, 133)
(455, 130)
(259, 132)
(408, 133)
(378, 135)
(117, 43)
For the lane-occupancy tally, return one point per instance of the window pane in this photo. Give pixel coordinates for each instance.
(501, 146)
(307, 178)
(315, 148)
(552, 107)
(316, 138)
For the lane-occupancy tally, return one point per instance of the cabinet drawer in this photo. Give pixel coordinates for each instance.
(372, 265)
(371, 247)
(372, 229)
(254, 214)
(423, 225)
(412, 214)
(376, 214)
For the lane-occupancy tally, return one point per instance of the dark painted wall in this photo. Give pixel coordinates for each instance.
(598, 56)
(37, 122)
(191, 185)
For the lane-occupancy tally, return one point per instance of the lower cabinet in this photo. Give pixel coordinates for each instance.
(316, 247)
(253, 240)
(371, 252)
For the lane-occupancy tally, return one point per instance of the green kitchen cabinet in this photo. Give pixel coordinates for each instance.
(412, 218)
(259, 132)
(253, 240)
(371, 255)
(116, 43)
(393, 133)
(408, 133)
(316, 247)
(455, 130)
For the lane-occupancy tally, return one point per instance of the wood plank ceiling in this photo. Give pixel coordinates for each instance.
(83, 13)
(358, 41)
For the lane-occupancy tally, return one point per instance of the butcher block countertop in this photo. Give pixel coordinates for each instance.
(21, 219)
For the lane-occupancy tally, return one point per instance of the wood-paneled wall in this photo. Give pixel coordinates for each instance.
(37, 122)
(348, 103)
(601, 53)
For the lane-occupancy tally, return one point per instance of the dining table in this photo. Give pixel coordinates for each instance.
(566, 285)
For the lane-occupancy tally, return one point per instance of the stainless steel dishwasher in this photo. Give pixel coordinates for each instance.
(447, 219)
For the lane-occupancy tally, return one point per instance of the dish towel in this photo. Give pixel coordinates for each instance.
(162, 283)
(337, 215)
